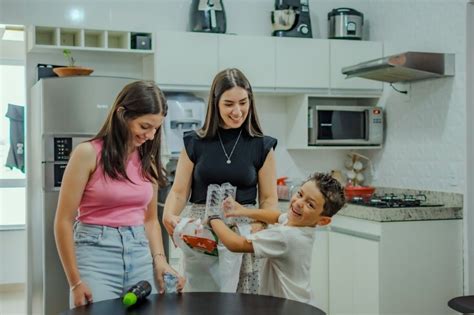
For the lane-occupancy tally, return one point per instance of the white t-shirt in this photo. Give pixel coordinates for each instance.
(287, 254)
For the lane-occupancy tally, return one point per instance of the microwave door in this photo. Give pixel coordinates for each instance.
(341, 126)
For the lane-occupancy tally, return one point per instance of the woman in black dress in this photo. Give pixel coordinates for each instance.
(230, 147)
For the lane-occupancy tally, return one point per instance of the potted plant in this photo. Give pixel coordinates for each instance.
(71, 69)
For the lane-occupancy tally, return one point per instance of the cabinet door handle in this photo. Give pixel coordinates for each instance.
(367, 236)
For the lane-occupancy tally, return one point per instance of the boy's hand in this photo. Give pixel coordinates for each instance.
(257, 226)
(232, 208)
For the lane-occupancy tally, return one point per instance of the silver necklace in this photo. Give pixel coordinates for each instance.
(228, 156)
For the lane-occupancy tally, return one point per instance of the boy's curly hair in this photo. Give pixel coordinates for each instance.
(332, 191)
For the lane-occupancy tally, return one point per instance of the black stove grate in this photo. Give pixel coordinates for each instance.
(394, 201)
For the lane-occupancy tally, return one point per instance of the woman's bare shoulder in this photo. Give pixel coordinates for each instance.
(85, 153)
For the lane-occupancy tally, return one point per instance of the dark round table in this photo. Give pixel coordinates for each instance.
(205, 303)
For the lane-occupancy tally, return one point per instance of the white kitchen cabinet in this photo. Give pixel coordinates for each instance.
(185, 59)
(302, 63)
(411, 267)
(319, 267)
(353, 273)
(345, 53)
(254, 56)
(189, 61)
(297, 122)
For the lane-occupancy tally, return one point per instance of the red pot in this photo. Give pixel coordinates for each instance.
(365, 192)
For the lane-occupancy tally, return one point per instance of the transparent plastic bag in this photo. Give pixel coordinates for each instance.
(205, 270)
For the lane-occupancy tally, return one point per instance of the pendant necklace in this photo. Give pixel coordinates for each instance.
(228, 156)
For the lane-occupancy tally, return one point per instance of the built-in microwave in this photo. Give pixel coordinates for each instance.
(345, 125)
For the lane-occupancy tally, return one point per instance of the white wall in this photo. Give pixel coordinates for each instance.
(469, 200)
(12, 241)
(13, 261)
(426, 131)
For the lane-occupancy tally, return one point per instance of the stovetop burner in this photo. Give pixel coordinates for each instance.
(394, 201)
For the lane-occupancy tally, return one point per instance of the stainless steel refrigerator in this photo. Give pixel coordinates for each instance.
(63, 113)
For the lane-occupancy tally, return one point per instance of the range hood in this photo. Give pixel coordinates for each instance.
(404, 67)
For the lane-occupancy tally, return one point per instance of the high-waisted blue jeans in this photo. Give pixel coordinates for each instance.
(111, 260)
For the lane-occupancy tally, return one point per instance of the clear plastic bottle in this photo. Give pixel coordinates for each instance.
(170, 282)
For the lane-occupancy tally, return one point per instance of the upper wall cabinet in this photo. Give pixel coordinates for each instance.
(302, 63)
(350, 52)
(254, 56)
(188, 59)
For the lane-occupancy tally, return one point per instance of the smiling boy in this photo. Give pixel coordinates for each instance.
(287, 247)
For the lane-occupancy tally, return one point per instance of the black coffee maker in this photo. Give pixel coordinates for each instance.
(291, 19)
(208, 16)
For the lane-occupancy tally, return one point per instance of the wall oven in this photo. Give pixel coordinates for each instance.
(333, 125)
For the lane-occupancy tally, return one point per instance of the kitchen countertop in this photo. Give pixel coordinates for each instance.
(451, 209)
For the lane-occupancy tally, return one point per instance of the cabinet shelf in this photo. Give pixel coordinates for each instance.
(70, 37)
(94, 38)
(45, 38)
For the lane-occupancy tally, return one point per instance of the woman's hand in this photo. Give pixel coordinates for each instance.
(82, 295)
(161, 267)
(170, 221)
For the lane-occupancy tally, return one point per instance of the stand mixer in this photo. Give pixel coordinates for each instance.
(291, 19)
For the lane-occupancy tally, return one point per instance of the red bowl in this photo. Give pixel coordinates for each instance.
(364, 192)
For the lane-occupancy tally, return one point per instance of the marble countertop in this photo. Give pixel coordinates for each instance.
(452, 208)
(401, 214)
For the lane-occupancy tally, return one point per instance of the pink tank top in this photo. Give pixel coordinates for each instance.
(115, 202)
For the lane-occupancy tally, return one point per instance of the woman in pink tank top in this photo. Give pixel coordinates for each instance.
(110, 187)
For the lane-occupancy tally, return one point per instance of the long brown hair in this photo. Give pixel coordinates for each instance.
(223, 81)
(136, 99)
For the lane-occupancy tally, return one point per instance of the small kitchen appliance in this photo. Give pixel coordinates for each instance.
(404, 67)
(208, 16)
(291, 19)
(338, 125)
(185, 112)
(345, 23)
(140, 41)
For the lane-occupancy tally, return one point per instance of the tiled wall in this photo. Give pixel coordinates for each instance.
(426, 130)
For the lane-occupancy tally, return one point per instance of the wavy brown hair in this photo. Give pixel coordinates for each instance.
(332, 191)
(136, 99)
(223, 81)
